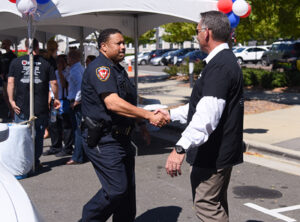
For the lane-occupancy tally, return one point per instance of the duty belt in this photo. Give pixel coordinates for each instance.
(122, 130)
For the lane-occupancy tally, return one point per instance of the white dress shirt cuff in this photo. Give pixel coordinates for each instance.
(184, 142)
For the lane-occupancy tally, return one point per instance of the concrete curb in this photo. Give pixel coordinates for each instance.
(271, 149)
(173, 130)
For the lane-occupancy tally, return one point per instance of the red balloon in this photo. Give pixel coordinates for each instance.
(13, 1)
(225, 6)
(248, 12)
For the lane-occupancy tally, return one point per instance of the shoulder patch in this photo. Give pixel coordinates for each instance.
(103, 73)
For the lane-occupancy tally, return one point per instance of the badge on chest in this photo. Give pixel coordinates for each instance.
(103, 73)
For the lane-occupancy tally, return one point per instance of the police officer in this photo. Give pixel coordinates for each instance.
(109, 111)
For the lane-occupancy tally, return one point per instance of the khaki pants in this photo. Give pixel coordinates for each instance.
(209, 188)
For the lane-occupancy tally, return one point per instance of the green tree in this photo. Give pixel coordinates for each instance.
(270, 20)
(179, 32)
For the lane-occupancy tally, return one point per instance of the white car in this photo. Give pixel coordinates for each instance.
(249, 53)
(130, 58)
(156, 61)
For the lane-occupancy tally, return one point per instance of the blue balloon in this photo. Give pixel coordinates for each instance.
(233, 1)
(42, 1)
(233, 19)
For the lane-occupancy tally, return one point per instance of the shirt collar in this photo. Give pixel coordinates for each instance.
(215, 51)
(111, 62)
(75, 65)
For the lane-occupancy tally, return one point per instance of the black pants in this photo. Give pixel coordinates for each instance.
(114, 165)
(61, 130)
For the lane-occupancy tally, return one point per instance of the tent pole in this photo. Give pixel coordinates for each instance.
(31, 87)
(136, 48)
(81, 47)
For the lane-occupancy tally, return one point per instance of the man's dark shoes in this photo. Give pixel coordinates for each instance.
(63, 153)
(50, 152)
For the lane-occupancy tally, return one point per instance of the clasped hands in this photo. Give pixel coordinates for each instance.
(159, 117)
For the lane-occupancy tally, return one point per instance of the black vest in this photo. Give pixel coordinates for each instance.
(224, 146)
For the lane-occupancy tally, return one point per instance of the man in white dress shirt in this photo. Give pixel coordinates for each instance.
(213, 138)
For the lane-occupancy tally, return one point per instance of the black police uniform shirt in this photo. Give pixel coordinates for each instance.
(103, 76)
(6, 59)
(214, 135)
(43, 73)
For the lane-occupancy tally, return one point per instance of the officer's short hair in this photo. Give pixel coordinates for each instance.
(218, 23)
(104, 35)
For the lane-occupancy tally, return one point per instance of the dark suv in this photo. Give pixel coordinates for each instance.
(281, 52)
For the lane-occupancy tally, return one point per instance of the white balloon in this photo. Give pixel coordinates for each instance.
(240, 7)
(26, 6)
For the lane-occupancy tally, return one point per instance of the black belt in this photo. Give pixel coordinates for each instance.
(117, 130)
(121, 130)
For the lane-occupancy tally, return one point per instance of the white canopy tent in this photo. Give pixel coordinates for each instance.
(77, 19)
(114, 13)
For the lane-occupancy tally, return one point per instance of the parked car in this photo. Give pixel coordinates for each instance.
(143, 59)
(131, 57)
(194, 56)
(178, 53)
(157, 52)
(249, 53)
(157, 61)
(167, 56)
(281, 51)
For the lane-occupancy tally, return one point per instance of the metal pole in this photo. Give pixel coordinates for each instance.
(157, 38)
(191, 70)
(81, 47)
(136, 48)
(31, 87)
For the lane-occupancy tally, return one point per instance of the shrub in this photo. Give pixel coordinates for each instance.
(293, 78)
(247, 79)
(172, 70)
(280, 79)
(266, 80)
(198, 66)
(252, 77)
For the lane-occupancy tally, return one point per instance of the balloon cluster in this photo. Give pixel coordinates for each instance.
(235, 9)
(28, 6)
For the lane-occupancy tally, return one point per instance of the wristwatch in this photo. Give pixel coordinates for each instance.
(179, 149)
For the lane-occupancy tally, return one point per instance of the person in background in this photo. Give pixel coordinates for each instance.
(5, 61)
(89, 59)
(74, 78)
(18, 82)
(61, 126)
(50, 55)
(213, 138)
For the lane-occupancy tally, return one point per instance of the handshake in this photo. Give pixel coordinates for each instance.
(159, 117)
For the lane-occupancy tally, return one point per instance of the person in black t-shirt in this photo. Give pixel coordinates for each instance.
(18, 92)
(5, 61)
(213, 138)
